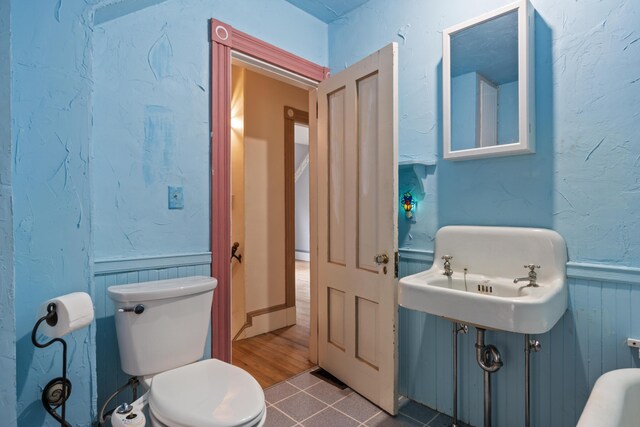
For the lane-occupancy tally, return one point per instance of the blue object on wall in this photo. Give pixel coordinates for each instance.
(176, 198)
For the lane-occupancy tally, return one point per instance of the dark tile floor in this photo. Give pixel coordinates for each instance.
(306, 400)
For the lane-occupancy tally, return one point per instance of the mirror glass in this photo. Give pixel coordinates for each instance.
(488, 85)
(484, 84)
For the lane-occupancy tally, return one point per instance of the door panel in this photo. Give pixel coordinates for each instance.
(367, 172)
(336, 318)
(337, 212)
(367, 331)
(357, 221)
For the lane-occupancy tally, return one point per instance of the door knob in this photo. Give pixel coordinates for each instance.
(381, 259)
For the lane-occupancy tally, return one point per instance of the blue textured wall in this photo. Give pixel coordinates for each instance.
(151, 116)
(51, 91)
(583, 180)
(57, 93)
(7, 295)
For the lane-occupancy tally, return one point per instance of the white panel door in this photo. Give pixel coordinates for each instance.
(357, 226)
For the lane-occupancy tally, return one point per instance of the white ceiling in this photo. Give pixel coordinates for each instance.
(327, 10)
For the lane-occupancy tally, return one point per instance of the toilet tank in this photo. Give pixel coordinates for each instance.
(169, 330)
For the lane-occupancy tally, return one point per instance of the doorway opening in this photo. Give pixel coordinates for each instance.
(270, 286)
(353, 290)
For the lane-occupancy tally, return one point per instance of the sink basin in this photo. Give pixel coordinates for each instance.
(614, 400)
(485, 295)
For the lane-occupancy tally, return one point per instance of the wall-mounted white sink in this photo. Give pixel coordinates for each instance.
(614, 400)
(486, 295)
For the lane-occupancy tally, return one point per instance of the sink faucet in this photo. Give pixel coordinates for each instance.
(532, 277)
(447, 265)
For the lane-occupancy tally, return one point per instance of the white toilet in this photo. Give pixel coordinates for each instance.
(162, 329)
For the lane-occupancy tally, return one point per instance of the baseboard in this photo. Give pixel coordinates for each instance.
(267, 322)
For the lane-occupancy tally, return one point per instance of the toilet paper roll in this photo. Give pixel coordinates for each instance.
(74, 311)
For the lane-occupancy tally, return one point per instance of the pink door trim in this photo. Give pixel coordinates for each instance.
(224, 39)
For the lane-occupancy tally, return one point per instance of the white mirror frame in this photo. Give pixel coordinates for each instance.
(526, 86)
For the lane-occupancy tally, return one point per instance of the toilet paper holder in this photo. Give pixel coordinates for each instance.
(58, 390)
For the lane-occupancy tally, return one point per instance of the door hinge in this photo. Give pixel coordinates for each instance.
(396, 266)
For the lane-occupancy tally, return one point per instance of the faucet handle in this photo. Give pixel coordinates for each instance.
(531, 267)
(447, 257)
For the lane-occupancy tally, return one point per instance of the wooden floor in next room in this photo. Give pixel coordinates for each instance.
(273, 357)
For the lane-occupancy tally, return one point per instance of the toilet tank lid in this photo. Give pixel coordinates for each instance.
(161, 289)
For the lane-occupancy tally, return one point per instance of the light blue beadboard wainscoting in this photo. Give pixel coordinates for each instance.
(124, 271)
(604, 310)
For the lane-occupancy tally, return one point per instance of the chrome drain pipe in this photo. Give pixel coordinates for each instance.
(458, 328)
(529, 346)
(489, 359)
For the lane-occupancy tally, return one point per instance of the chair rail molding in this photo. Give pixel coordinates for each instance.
(575, 270)
(121, 265)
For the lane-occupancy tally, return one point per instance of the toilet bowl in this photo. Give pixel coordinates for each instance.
(162, 328)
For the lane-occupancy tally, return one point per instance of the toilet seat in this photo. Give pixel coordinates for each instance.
(209, 393)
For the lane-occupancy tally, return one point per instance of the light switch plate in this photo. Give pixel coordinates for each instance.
(176, 198)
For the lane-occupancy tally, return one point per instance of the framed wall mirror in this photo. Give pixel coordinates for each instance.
(488, 85)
